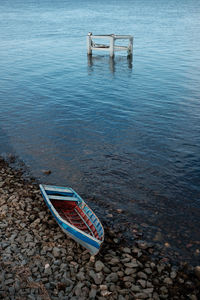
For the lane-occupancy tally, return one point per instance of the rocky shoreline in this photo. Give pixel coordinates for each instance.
(38, 261)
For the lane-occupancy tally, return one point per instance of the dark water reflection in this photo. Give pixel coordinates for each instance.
(101, 61)
(125, 134)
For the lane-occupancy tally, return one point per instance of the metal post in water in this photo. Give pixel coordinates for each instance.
(89, 43)
(130, 46)
(112, 42)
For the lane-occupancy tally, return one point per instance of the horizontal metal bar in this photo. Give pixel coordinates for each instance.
(123, 37)
(114, 36)
(103, 49)
(120, 47)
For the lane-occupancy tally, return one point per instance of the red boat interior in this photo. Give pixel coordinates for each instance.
(72, 213)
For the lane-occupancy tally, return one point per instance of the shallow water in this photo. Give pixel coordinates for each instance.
(126, 132)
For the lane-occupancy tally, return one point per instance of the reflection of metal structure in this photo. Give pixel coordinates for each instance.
(112, 62)
(111, 47)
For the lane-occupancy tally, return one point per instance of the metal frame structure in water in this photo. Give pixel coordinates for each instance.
(111, 47)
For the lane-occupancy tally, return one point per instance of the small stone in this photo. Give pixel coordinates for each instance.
(158, 237)
(148, 271)
(132, 264)
(56, 252)
(192, 297)
(135, 288)
(120, 273)
(148, 291)
(173, 275)
(97, 277)
(98, 266)
(109, 216)
(142, 245)
(164, 290)
(197, 271)
(114, 261)
(141, 296)
(168, 281)
(160, 268)
(112, 277)
(80, 276)
(129, 271)
(46, 172)
(105, 293)
(47, 270)
(127, 250)
(78, 288)
(142, 275)
(142, 283)
(103, 287)
(93, 291)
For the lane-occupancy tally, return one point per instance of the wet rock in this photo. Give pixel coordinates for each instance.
(46, 172)
(143, 245)
(158, 237)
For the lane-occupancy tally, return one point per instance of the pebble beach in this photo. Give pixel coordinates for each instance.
(38, 261)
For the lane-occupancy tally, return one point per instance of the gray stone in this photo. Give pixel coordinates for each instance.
(80, 276)
(126, 250)
(141, 296)
(173, 275)
(132, 264)
(97, 277)
(168, 281)
(99, 266)
(129, 271)
(135, 288)
(142, 283)
(114, 261)
(56, 252)
(48, 271)
(142, 275)
(148, 271)
(129, 278)
(93, 292)
(112, 277)
(77, 289)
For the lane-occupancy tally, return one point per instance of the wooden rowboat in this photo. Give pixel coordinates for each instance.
(74, 216)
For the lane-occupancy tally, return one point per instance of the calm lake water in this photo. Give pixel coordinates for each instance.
(125, 133)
